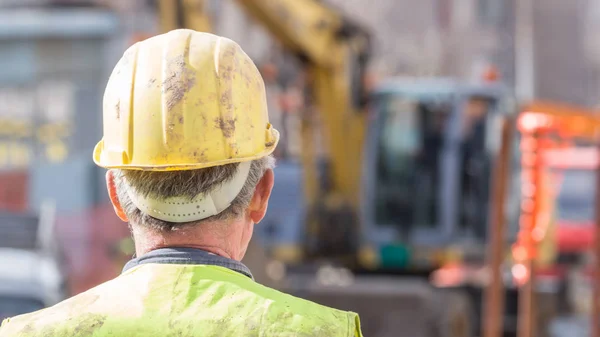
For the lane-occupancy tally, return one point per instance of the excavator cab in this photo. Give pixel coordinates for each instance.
(430, 148)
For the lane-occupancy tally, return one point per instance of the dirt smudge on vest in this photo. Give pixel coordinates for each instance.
(83, 326)
(251, 324)
(49, 331)
(309, 325)
(88, 324)
(178, 289)
(28, 329)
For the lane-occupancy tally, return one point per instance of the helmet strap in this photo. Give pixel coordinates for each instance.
(181, 209)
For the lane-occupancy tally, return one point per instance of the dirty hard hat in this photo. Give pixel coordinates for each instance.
(184, 100)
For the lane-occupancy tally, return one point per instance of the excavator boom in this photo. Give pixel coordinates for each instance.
(306, 27)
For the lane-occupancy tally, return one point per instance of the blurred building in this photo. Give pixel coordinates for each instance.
(411, 38)
(455, 37)
(57, 56)
(566, 50)
(436, 37)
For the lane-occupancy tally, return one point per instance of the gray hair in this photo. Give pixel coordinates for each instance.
(189, 184)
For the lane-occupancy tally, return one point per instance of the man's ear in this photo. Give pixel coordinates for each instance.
(112, 193)
(260, 200)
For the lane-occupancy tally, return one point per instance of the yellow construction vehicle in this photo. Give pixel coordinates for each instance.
(403, 183)
(335, 51)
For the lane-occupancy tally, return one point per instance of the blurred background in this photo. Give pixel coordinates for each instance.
(390, 113)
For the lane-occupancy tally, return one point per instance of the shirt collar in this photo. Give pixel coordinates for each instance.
(177, 255)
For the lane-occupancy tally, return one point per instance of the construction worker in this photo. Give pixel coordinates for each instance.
(188, 146)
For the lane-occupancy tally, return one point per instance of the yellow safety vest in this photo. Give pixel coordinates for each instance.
(152, 300)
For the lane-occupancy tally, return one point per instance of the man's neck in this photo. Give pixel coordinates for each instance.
(147, 240)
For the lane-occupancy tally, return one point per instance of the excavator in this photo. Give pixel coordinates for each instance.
(335, 52)
(398, 188)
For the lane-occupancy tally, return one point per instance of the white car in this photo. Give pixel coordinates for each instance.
(29, 281)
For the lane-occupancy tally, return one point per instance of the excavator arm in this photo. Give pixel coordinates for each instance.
(335, 52)
(307, 27)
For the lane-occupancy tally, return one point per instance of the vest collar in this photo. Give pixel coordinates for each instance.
(177, 255)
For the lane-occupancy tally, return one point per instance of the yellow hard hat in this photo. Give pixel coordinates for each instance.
(184, 100)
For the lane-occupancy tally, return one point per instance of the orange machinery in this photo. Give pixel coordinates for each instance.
(543, 126)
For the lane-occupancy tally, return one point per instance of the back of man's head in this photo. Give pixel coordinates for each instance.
(186, 132)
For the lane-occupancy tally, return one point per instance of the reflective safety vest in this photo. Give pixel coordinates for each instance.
(152, 300)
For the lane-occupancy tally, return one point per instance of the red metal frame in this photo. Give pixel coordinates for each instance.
(538, 124)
